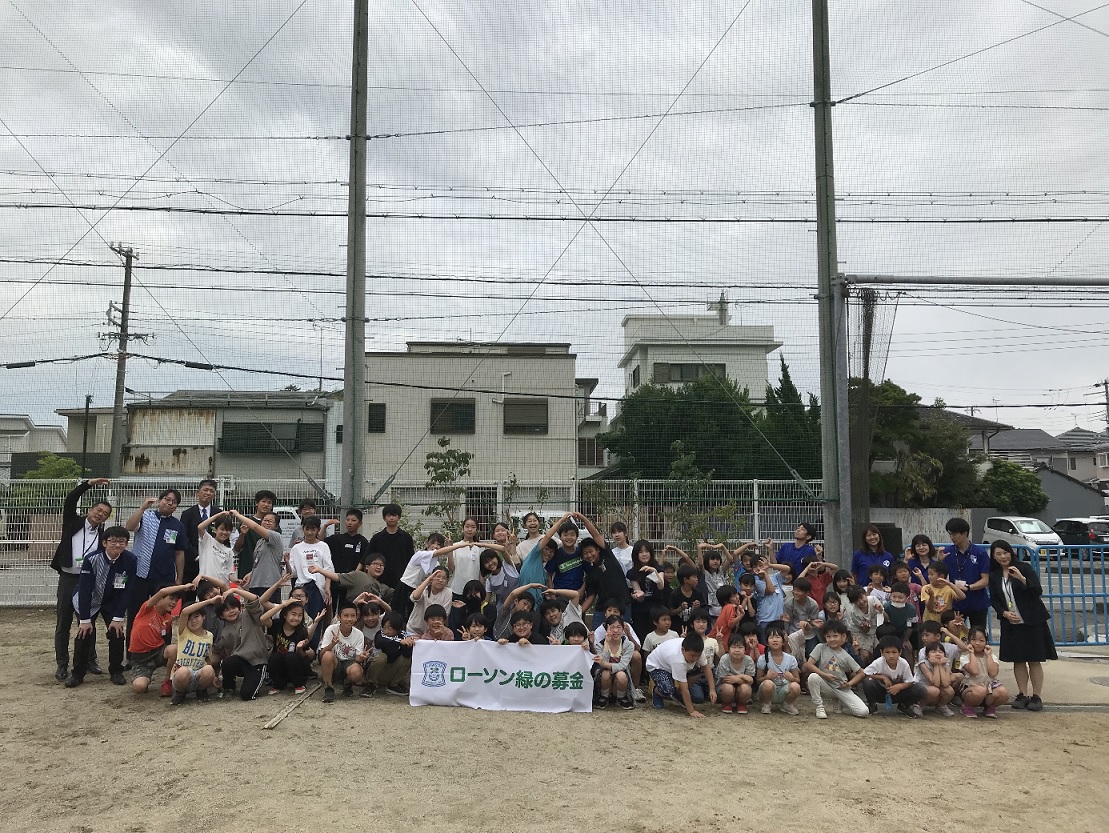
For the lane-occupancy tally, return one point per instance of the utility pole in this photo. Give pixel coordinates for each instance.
(85, 436)
(831, 306)
(861, 426)
(115, 462)
(1104, 385)
(354, 374)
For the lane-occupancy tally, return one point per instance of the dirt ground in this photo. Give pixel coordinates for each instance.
(99, 758)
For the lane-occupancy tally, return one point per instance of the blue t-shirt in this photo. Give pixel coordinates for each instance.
(861, 562)
(968, 566)
(567, 568)
(770, 606)
(789, 553)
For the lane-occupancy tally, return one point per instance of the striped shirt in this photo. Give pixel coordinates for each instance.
(157, 541)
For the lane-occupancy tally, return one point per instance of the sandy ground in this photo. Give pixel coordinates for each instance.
(99, 758)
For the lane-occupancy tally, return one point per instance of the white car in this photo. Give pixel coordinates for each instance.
(1020, 532)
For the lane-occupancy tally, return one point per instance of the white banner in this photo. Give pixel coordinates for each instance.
(485, 675)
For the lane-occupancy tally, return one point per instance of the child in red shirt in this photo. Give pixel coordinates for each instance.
(147, 646)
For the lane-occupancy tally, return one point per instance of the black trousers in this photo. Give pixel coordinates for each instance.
(288, 669)
(254, 676)
(875, 692)
(83, 646)
(67, 586)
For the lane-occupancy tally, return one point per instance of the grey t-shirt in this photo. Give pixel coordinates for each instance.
(806, 611)
(268, 555)
(839, 663)
(726, 667)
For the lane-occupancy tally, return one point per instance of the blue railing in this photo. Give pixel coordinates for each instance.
(1076, 591)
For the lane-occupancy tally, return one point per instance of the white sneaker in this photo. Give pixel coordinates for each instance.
(820, 713)
(944, 710)
(789, 708)
(638, 695)
(765, 708)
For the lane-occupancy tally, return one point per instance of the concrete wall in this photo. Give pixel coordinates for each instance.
(100, 433)
(1068, 499)
(183, 441)
(744, 365)
(930, 522)
(534, 458)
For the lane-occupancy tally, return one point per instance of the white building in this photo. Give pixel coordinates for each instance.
(20, 436)
(253, 435)
(516, 407)
(675, 349)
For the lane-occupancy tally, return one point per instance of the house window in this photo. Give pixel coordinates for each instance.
(664, 372)
(1103, 460)
(375, 412)
(525, 416)
(1072, 463)
(271, 437)
(452, 416)
(590, 452)
(338, 435)
(635, 377)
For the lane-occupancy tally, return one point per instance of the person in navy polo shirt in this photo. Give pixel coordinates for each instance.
(159, 548)
(968, 567)
(872, 552)
(794, 552)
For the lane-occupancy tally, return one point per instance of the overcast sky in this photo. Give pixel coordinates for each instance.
(130, 103)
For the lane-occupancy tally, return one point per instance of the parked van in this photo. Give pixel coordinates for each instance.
(1020, 532)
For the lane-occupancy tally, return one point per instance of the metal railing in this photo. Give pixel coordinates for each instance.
(1075, 590)
(663, 511)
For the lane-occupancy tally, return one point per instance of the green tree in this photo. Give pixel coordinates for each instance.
(1013, 488)
(715, 420)
(792, 429)
(933, 465)
(51, 466)
(444, 470)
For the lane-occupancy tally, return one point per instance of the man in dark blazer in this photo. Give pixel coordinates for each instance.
(80, 538)
(204, 509)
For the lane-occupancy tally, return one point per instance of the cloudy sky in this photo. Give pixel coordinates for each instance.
(684, 130)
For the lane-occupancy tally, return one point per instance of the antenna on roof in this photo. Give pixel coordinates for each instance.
(720, 307)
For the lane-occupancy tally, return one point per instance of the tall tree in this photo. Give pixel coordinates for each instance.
(716, 422)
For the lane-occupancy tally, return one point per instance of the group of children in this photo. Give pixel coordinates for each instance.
(729, 627)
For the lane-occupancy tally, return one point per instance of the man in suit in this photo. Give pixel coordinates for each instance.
(80, 538)
(204, 509)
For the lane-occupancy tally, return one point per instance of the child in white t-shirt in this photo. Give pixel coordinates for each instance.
(344, 649)
(660, 616)
(889, 675)
(215, 556)
(669, 666)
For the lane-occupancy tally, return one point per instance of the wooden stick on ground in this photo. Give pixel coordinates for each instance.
(289, 709)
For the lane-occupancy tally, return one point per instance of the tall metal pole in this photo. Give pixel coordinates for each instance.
(115, 463)
(85, 437)
(354, 374)
(860, 421)
(831, 306)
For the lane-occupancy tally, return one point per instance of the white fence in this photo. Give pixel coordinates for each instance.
(660, 510)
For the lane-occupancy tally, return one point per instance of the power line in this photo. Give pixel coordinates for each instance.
(552, 218)
(917, 74)
(206, 366)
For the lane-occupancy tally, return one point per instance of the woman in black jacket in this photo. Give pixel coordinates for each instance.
(1016, 595)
